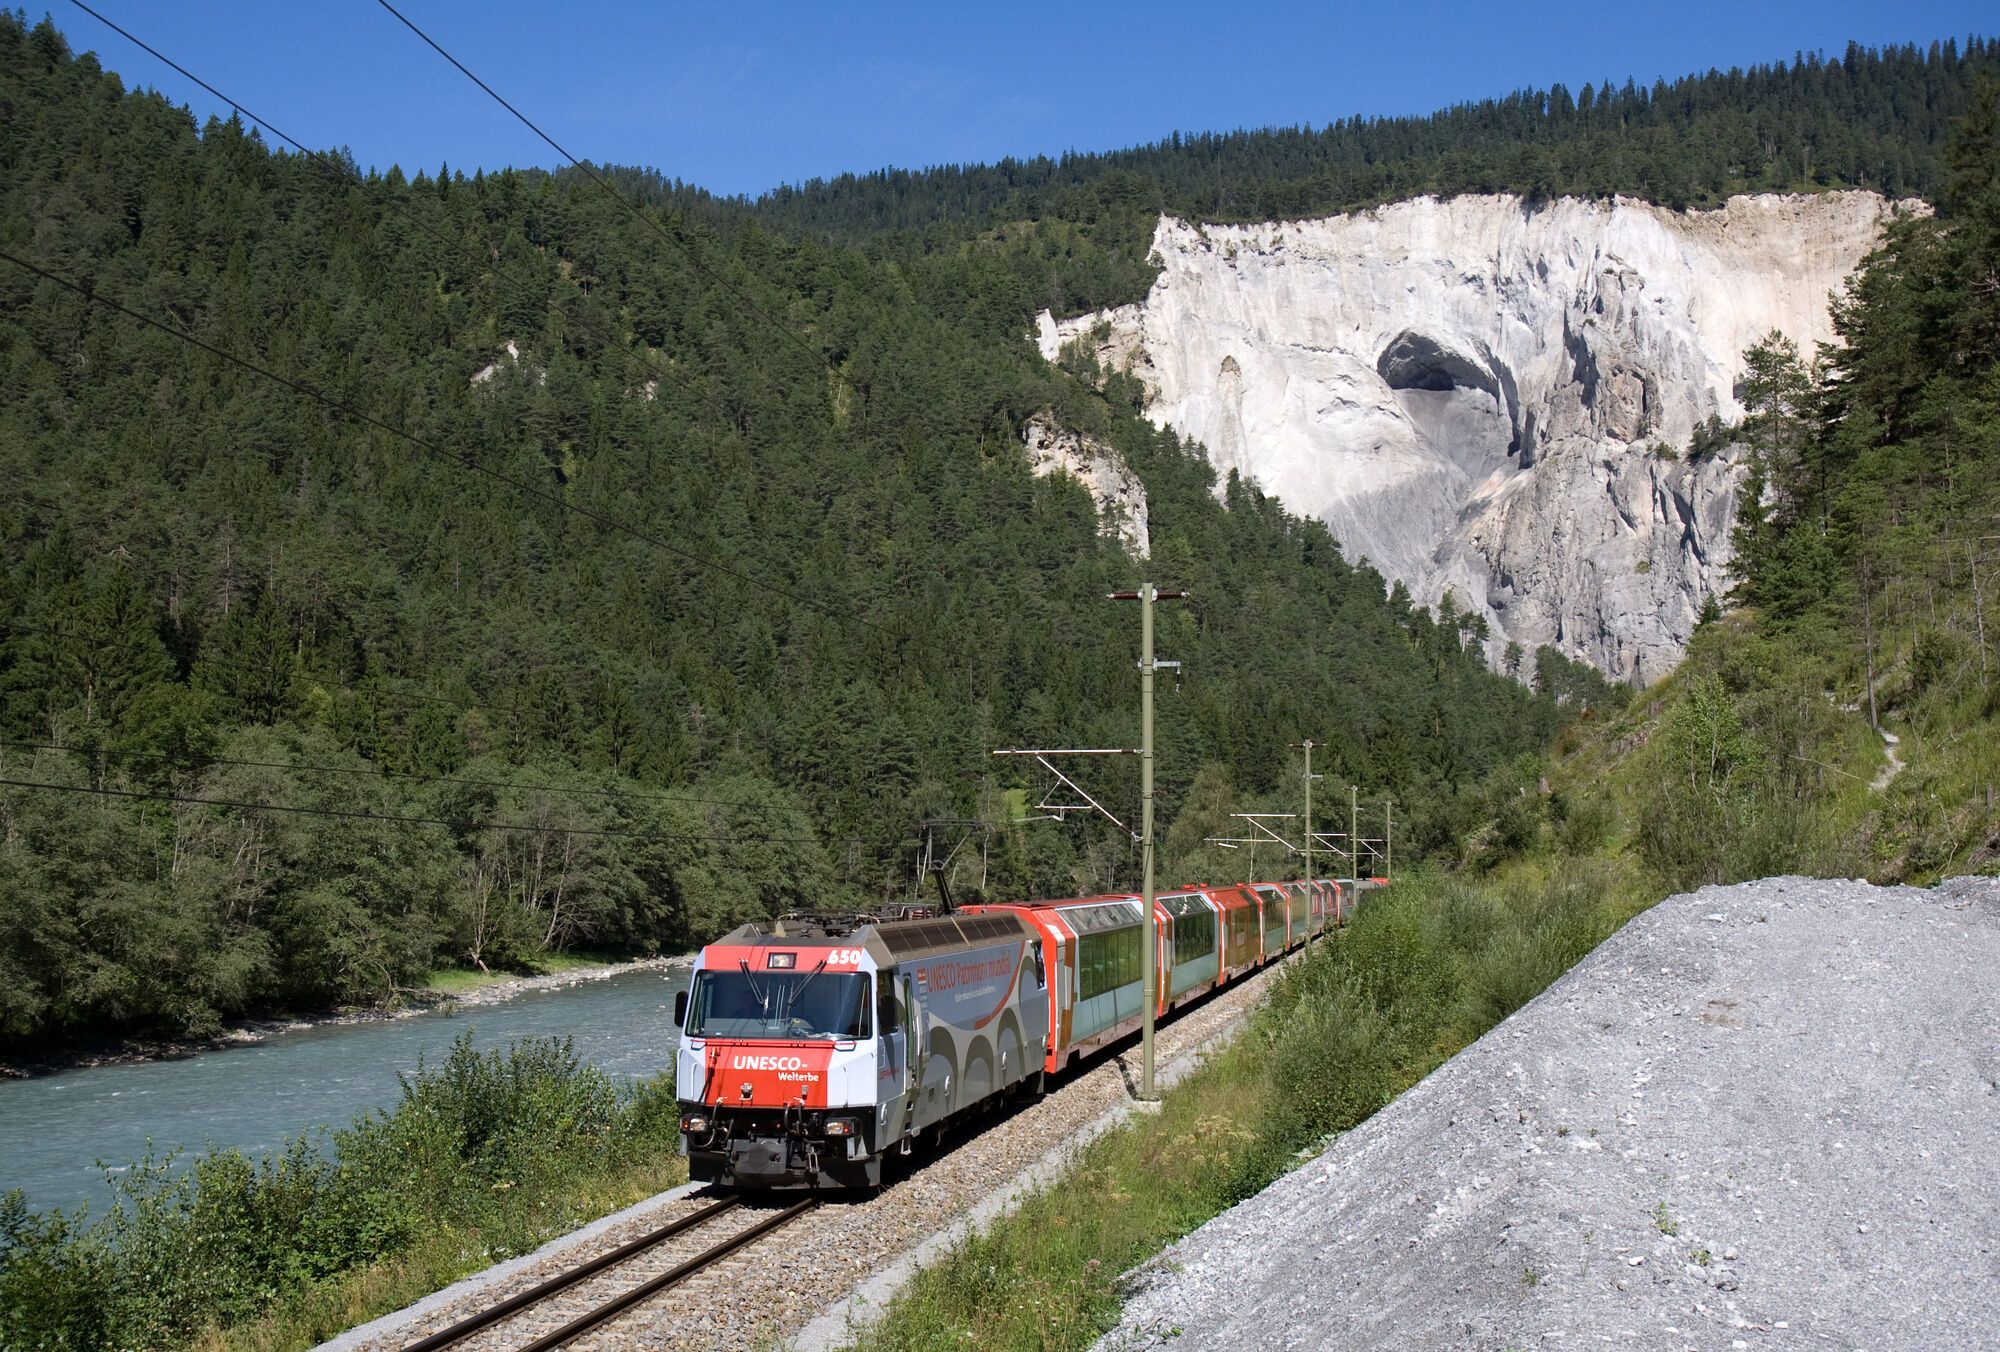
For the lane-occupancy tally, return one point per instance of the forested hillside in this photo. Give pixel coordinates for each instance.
(617, 585)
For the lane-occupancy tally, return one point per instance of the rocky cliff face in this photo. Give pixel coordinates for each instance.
(1117, 491)
(1473, 393)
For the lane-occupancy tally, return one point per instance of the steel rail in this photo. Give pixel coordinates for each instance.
(616, 1306)
(466, 1327)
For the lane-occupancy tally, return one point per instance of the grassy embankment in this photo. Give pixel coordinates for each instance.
(486, 1157)
(1752, 759)
(1426, 967)
(1756, 757)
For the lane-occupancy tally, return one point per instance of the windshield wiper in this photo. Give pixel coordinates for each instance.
(792, 996)
(757, 992)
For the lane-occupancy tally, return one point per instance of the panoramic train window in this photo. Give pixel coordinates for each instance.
(1194, 936)
(1106, 961)
(767, 1004)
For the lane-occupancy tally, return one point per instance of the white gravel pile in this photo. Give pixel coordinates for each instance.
(1762, 1116)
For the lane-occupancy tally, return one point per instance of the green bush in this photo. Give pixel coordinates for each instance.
(1582, 825)
(489, 1142)
(1328, 1059)
(56, 1281)
(1468, 916)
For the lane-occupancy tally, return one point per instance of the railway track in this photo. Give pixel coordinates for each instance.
(570, 1304)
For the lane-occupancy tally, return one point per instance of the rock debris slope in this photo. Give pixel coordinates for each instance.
(1759, 1116)
(1469, 392)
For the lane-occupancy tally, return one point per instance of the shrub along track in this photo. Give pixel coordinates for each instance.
(772, 1288)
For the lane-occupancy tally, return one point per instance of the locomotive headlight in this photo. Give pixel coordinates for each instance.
(840, 1126)
(694, 1123)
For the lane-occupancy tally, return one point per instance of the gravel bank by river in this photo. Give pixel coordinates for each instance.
(1762, 1116)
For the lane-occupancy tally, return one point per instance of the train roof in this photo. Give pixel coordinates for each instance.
(887, 941)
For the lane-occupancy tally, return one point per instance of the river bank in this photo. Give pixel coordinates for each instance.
(407, 1003)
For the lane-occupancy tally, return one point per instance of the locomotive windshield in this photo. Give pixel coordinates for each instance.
(829, 1005)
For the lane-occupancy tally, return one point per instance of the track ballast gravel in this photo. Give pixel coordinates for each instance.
(1762, 1116)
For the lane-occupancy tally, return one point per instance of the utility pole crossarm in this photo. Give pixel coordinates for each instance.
(1257, 825)
(1056, 810)
(1068, 751)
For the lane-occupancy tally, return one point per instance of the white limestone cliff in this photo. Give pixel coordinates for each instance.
(1470, 392)
(1120, 497)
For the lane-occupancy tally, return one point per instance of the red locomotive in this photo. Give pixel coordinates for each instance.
(810, 1049)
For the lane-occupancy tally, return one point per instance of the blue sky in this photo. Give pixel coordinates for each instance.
(740, 98)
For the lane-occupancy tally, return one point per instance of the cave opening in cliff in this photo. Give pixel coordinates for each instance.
(1462, 408)
(1416, 362)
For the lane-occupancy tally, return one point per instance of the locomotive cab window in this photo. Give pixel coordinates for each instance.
(833, 1006)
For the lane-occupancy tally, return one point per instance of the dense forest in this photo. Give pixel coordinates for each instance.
(569, 576)
(565, 582)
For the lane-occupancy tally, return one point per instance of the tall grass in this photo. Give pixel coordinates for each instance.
(1426, 967)
(485, 1156)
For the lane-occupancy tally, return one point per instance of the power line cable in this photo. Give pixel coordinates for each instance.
(818, 357)
(638, 794)
(321, 159)
(198, 760)
(646, 794)
(341, 171)
(359, 814)
(463, 461)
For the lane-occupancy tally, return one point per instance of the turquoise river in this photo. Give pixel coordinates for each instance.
(56, 1128)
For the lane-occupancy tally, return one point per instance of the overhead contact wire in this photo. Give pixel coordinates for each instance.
(818, 357)
(340, 171)
(391, 696)
(197, 761)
